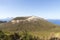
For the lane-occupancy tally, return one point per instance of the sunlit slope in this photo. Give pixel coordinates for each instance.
(30, 23)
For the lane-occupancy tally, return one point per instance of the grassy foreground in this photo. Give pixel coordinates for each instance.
(28, 35)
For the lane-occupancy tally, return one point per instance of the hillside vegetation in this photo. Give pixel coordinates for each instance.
(38, 25)
(35, 26)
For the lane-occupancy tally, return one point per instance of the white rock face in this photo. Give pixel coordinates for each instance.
(17, 21)
(29, 19)
(32, 18)
(13, 21)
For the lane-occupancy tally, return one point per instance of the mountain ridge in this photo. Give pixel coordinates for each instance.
(39, 25)
(54, 21)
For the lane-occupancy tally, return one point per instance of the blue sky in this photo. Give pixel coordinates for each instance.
(49, 9)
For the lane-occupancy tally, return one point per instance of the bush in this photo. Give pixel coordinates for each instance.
(2, 35)
(27, 36)
(54, 38)
(16, 36)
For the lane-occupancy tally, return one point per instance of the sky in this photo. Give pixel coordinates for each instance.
(49, 9)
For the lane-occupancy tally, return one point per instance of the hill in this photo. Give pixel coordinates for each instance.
(3, 22)
(29, 23)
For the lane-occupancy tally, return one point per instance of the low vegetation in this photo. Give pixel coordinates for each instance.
(24, 36)
(29, 30)
(17, 36)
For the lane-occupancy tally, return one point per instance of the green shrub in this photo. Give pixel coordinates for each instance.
(16, 36)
